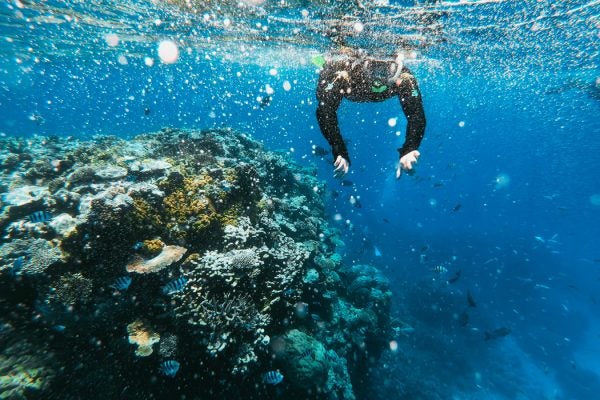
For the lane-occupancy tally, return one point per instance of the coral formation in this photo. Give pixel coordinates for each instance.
(167, 256)
(143, 337)
(233, 269)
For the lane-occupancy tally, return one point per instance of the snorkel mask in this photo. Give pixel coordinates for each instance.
(383, 73)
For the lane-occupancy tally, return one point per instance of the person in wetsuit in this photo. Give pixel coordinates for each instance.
(361, 78)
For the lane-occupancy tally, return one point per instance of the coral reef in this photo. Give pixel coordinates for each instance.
(225, 260)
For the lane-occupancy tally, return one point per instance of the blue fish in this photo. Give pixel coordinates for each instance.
(122, 283)
(316, 317)
(17, 266)
(289, 292)
(40, 216)
(273, 377)
(169, 368)
(174, 286)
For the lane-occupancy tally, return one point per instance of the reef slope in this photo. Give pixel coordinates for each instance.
(176, 263)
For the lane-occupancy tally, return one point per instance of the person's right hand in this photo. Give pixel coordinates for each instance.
(341, 167)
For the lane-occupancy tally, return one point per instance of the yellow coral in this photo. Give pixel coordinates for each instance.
(143, 336)
(153, 246)
(144, 213)
(188, 205)
(231, 215)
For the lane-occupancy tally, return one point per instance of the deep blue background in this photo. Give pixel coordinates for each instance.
(528, 250)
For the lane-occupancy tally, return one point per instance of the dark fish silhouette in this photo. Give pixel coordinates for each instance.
(169, 368)
(457, 207)
(346, 182)
(264, 102)
(470, 300)
(455, 277)
(147, 111)
(387, 221)
(497, 333)
(174, 286)
(463, 319)
(39, 216)
(320, 151)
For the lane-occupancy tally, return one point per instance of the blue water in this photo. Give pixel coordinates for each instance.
(504, 189)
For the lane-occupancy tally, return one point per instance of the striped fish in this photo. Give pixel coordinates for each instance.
(273, 378)
(122, 283)
(39, 216)
(169, 368)
(439, 269)
(174, 286)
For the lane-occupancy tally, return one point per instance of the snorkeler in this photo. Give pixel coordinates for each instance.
(361, 78)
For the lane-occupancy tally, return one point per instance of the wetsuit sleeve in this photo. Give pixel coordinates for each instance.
(412, 105)
(329, 97)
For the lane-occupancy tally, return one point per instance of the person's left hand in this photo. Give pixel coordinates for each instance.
(406, 162)
(341, 167)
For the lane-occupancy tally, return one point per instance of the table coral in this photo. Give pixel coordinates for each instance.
(168, 256)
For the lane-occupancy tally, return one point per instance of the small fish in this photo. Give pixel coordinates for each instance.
(138, 246)
(169, 368)
(264, 102)
(226, 186)
(174, 286)
(454, 278)
(39, 216)
(122, 283)
(273, 377)
(316, 317)
(439, 269)
(405, 330)
(387, 221)
(457, 207)
(307, 353)
(17, 266)
(463, 319)
(470, 300)
(539, 239)
(289, 292)
(347, 182)
(319, 151)
(147, 111)
(497, 333)
(376, 251)
(59, 328)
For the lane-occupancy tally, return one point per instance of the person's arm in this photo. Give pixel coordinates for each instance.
(412, 105)
(329, 97)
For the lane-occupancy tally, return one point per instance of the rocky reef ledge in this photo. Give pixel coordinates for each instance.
(177, 264)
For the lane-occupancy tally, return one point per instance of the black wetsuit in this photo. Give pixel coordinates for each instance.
(352, 78)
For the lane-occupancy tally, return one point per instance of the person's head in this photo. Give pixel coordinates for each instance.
(382, 73)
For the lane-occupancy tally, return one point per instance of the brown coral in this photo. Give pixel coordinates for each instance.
(143, 336)
(168, 256)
